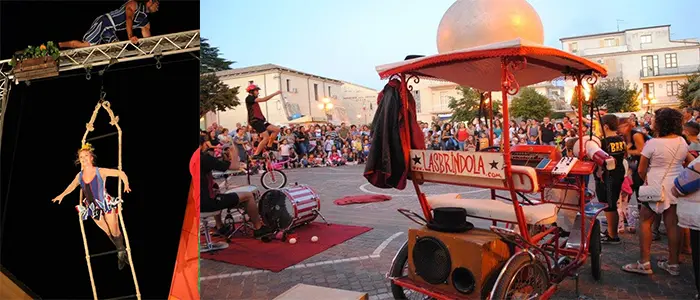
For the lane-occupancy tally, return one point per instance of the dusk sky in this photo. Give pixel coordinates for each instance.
(346, 40)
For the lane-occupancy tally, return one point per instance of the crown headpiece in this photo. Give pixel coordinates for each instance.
(87, 146)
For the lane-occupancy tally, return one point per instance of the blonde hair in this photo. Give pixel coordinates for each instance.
(87, 147)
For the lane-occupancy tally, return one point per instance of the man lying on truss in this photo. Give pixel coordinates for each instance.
(132, 15)
(97, 202)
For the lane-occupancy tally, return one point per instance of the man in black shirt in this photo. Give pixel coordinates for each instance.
(609, 184)
(256, 119)
(548, 130)
(210, 201)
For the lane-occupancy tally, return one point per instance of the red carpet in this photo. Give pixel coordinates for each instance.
(361, 199)
(276, 256)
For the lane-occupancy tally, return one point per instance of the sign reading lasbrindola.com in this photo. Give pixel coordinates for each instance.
(472, 164)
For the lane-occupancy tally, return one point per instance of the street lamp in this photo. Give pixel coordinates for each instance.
(326, 106)
(649, 102)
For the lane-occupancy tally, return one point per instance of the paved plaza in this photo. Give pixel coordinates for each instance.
(360, 264)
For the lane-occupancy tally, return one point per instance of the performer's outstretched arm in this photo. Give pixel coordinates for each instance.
(68, 190)
(116, 173)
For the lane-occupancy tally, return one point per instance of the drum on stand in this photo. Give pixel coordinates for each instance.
(289, 208)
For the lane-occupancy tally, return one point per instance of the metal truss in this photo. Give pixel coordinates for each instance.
(86, 58)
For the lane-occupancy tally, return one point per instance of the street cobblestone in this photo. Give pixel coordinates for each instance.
(368, 275)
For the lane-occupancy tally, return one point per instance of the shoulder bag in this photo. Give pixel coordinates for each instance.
(654, 193)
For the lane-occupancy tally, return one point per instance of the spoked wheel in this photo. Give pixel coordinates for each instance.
(400, 269)
(595, 248)
(274, 179)
(523, 278)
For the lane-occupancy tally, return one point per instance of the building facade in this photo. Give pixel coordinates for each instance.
(433, 97)
(301, 95)
(359, 102)
(647, 57)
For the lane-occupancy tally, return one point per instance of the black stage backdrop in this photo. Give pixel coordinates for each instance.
(41, 241)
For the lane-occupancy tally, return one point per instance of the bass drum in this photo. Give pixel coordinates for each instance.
(289, 208)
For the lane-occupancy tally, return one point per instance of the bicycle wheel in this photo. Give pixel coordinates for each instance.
(400, 269)
(274, 179)
(523, 278)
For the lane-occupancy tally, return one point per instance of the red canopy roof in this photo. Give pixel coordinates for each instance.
(480, 67)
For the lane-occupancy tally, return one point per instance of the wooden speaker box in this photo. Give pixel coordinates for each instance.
(465, 264)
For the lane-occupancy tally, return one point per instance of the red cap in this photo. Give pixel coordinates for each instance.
(251, 88)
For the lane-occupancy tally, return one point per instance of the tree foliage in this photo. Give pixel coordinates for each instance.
(210, 58)
(215, 95)
(530, 104)
(466, 108)
(689, 94)
(615, 95)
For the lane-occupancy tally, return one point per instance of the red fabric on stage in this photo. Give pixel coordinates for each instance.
(185, 283)
(361, 199)
(277, 255)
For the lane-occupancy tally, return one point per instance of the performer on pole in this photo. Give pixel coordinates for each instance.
(267, 131)
(97, 204)
(132, 15)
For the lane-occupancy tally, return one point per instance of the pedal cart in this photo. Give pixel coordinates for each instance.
(535, 192)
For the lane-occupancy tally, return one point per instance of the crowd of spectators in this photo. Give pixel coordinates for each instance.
(299, 146)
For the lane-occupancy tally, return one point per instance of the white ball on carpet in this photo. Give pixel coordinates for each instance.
(292, 241)
(314, 239)
(471, 23)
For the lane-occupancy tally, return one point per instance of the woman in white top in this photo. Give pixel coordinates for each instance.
(667, 151)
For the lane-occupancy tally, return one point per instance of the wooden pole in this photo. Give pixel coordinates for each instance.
(114, 121)
(87, 252)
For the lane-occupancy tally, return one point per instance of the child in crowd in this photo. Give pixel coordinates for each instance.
(328, 144)
(624, 210)
(435, 145)
(609, 182)
(357, 144)
(471, 145)
(293, 159)
(285, 149)
(352, 158)
(365, 147)
(483, 140)
(334, 157)
(533, 140)
(521, 134)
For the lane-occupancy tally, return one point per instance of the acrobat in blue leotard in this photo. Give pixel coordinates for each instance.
(96, 202)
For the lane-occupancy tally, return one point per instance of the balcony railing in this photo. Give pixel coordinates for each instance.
(680, 70)
(603, 50)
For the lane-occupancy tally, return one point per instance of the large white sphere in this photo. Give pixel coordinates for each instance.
(470, 23)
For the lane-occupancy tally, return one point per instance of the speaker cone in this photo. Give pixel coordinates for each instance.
(432, 260)
(463, 280)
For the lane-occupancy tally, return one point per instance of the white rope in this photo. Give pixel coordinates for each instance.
(89, 127)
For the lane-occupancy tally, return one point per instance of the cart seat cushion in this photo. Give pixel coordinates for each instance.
(541, 214)
(527, 177)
